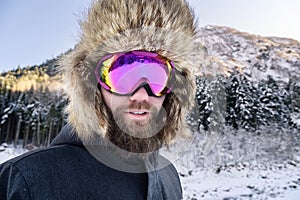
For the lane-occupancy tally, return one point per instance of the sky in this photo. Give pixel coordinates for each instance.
(32, 31)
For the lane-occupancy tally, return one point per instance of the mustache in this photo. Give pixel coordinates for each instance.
(137, 106)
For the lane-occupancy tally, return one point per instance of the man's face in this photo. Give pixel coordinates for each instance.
(138, 115)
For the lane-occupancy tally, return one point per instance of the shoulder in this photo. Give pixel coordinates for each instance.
(167, 166)
(168, 170)
(29, 158)
(170, 173)
(170, 181)
(41, 161)
(13, 183)
(44, 158)
(20, 174)
(42, 153)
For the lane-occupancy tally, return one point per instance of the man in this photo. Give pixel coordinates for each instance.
(130, 84)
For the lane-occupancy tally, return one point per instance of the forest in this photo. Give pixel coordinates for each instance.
(32, 104)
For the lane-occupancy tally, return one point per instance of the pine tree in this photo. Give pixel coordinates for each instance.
(270, 102)
(246, 105)
(293, 89)
(218, 96)
(204, 103)
(231, 89)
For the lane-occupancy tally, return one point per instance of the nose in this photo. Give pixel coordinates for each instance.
(140, 95)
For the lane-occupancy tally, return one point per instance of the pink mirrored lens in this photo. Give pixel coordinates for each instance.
(127, 78)
(123, 73)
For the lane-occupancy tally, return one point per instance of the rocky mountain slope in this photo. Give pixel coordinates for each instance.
(229, 49)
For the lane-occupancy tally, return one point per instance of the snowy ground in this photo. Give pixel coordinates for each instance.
(262, 168)
(280, 183)
(233, 166)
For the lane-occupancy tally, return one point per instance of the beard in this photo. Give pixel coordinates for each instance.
(137, 136)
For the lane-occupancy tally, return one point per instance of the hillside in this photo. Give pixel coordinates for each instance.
(254, 55)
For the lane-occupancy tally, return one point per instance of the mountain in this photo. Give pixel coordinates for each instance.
(256, 56)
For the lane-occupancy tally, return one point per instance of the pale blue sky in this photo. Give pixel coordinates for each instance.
(32, 31)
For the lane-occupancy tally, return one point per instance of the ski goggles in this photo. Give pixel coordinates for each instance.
(125, 73)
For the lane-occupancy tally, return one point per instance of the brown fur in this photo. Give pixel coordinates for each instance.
(163, 26)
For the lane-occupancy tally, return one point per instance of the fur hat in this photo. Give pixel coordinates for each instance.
(163, 26)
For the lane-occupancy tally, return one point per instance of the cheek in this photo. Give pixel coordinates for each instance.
(158, 102)
(111, 100)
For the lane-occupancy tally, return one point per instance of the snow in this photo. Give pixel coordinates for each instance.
(279, 181)
(243, 183)
(286, 41)
(242, 166)
(8, 151)
(6, 110)
(296, 119)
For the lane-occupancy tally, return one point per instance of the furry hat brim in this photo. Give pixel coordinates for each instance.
(163, 26)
